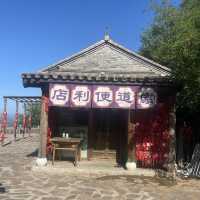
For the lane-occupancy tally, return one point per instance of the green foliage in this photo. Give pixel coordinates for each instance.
(20, 120)
(34, 110)
(173, 40)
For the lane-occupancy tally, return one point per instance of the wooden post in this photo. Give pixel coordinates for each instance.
(24, 118)
(107, 142)
(4, 121)
(172, 143)
(43, 126)
(30, 119)
(16, 120)
(129, 137)
(131, 164)
(90, 133)
(131, 147)
(5, 111)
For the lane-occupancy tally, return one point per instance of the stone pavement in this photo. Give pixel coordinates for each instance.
(18, 181)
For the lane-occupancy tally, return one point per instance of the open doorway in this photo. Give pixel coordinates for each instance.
(110, 134)
(108, 138)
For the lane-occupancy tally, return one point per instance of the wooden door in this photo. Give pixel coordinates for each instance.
(109, 132)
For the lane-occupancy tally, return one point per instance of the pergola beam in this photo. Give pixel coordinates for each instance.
(24, 99)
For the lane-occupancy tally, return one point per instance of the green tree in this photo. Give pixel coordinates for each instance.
(173, 39)
(34, 111)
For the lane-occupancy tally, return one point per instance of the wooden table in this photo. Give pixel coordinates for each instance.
(67, 144)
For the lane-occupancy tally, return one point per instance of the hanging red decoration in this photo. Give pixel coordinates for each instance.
(49, 144)
(24, 121)
(15, 124)
(4, 120)
(30, 121)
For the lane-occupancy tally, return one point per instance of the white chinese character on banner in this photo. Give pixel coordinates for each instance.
(124, 97)
(103, 96)
(80, 95)
(59, 94)
(147, 98)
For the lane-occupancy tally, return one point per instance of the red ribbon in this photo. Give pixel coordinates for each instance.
(4, 120)
(24, 121)
(49, 144)
(15, 124)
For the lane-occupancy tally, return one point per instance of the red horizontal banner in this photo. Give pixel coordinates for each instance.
(101, 96)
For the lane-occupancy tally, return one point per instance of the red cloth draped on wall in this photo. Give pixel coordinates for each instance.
(152, 136)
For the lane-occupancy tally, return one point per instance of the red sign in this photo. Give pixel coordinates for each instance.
(101, 96)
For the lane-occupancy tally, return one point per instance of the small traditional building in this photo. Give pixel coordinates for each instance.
(119, 103)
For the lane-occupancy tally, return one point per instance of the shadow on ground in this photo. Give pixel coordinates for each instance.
(2, 189)
(33, 154)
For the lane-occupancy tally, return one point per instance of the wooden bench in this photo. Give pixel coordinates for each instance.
(67, 144)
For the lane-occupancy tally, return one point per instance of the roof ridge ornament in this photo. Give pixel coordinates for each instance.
(107, 36)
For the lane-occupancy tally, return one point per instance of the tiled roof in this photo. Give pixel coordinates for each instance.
(105, 61)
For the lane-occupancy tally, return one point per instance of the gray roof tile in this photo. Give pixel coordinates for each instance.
(110, 58)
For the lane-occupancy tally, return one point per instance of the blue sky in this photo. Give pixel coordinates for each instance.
(36, 33)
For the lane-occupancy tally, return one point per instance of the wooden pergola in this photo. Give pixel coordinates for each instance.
(25, 100)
